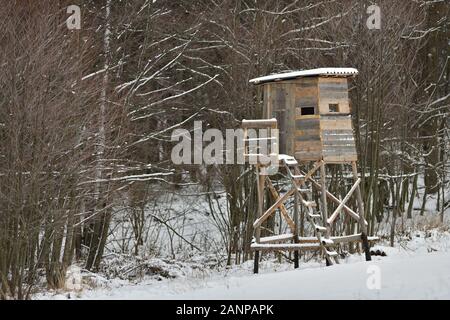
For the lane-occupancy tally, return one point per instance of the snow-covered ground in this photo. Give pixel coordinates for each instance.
(417, 269)
(418, 277)
(168, 266)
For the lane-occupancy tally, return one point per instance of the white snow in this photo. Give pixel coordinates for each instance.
(416, 269)
(421, 277)
(425, 276)
(343, 72)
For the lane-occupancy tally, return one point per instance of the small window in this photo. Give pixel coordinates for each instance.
(333, 108)
(305, 111)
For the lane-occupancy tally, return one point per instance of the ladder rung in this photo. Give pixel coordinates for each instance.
(285, 246)
(290, 161)
(291, 164)
(310, 203)
(331, 253)
(327, 242)
(255, 155)
(320, 228)
(260, 139)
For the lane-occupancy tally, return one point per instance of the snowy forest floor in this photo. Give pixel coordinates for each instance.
(417, 268)
(190, 264)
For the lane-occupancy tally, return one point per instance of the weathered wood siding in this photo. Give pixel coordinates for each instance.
(324, 135)
(338, 142)
(333, 91)
(308, 145)
(278, 99)
(306, 95)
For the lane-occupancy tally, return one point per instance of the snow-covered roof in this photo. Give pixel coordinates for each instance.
(337, 72)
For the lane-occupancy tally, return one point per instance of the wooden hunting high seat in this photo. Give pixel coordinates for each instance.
(313, 111)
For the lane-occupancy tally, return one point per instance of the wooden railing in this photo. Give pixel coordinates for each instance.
(262, 147)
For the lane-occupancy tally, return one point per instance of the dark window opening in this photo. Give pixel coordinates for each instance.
(333, 107)
(305, 111)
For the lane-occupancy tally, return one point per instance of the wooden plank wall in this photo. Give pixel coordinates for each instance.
(277, 99)
(325, 135)
(338, 143)
(306, 94)
(308, 146)
(333, 90)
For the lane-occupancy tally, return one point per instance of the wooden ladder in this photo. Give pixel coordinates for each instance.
(304, 192)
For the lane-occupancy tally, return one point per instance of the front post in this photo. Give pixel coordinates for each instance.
(362, 221)
(260, 193)
(296, 252)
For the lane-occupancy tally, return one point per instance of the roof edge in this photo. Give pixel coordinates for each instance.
(337, 72)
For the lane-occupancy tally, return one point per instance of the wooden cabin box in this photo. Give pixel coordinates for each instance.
(314, 118)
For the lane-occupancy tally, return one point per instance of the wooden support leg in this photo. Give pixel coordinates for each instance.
(365, 242)
(296, 253)
(323, 199)
(296, 259)
(260, 180)
(256, 264)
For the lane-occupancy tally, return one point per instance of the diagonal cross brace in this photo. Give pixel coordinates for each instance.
(280, 201)
(308, 175)
(337, 201)
(283, 210)
(269, 211)
(316, 167)
(333, 217)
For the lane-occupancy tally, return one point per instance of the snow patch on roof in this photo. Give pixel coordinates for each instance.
(342, 72)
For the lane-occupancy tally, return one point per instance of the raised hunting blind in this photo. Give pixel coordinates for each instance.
(311, 110)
